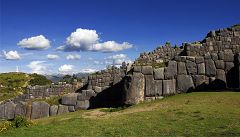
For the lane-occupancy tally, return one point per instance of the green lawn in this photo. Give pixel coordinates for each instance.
(194, 114)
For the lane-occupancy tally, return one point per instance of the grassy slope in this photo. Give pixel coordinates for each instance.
(13, 84)
(194, 114)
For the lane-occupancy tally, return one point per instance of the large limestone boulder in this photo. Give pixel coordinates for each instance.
(62, 109)
(200, 81)
(191, 67)
(9, 110)
(184, 83)
(158, 87)
(219, 64)
(158, 73)
(228, 56)
(147, 70)
(21, 109)
(149, 82)
(169, 87)
(40, 109)
(182, 68)
(82, 104)
(171, 70)
(53, 110)
(69, 99)
(201, 68)
(221, 75)
(210, 68)
(228, 66)
(134, 87)
(137, 68)
(199, 60)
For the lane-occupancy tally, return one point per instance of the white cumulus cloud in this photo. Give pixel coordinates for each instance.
(52, 56)
(118, 59)
(88, 70)
(35, 43)
(88, 40)
(111, 46)
(66, 68)
(11, 55)
(38, 67)
(73, 57)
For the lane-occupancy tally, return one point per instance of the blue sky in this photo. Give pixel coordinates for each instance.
(100, 32)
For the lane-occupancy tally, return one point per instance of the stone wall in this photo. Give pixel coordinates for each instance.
(215, 71)
(216, 41)
(41, 92)
(210, 65)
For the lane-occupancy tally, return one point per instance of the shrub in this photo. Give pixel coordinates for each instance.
(20, 121)
(5, 126)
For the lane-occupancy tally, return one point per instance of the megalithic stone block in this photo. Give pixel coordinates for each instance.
(69, 99)
(53, 110)
(158, 87)
(21, 109)
(171, 70)
(9, 110)
(210, 68)
(149, 85)
(184, 83)
(169, 87)
(40, 109)
(134, 87)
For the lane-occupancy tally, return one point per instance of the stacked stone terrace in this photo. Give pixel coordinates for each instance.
(163, 53)
(215, 71)
(212, 64)
(215, 41)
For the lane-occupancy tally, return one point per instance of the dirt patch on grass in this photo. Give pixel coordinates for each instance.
(97, 113)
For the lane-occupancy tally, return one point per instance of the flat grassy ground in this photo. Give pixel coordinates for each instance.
(194, 114)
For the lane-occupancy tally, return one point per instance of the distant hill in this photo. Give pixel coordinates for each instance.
(59, 77)
(12, 83)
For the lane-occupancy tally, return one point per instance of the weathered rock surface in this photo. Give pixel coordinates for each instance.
(53, 110)
(40, 109)
(169, 87)
(158, 87)
(159, 73)
(201, 69)
(210, 68)
(149, 91)
(69, 99)
(182, 68)
(191, 67)
(147, 70)
(21, 109)
(134, 87)
(184, 83)
(62, 109)
(171, 70)
(82, 104)
(219, 64)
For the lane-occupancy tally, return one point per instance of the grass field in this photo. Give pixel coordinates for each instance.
(194, 114)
